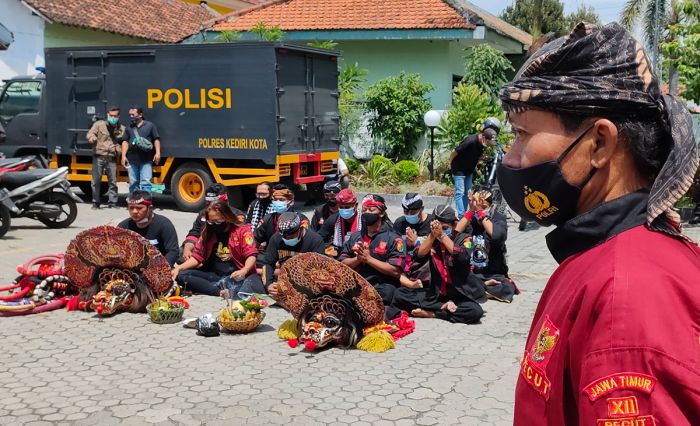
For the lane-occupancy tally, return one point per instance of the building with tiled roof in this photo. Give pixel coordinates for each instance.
(385, 37)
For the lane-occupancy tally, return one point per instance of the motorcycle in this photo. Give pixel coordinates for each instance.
(40, 194)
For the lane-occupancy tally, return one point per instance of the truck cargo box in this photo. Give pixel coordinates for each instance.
(238, 101)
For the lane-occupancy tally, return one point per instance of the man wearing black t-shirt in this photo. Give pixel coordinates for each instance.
(157, 229)
(291, 239)
(463, 161)
(136, 156)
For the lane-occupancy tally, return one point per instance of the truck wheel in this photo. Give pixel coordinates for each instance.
(188, 184)
(4, 220)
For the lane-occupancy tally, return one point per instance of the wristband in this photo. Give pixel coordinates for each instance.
(481, 214)
(469, 215)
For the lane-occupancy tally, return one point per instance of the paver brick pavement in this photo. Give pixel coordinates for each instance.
(76, 368)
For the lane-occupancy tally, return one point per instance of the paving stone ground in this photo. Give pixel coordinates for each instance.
(75, 368)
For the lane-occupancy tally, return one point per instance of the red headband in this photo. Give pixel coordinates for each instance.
(346, 196)
(371, 202)
(140, 201)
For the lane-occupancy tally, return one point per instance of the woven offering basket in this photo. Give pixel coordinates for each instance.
(173, 315)
(241, 326)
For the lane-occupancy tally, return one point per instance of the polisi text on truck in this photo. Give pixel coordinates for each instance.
(214, 98)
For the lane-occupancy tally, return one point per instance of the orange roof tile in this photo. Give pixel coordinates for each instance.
(158, 20)
(303, 15)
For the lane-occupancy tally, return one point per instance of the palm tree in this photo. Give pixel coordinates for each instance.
(644, 12)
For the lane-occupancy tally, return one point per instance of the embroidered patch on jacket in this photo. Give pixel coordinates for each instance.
(618, 381)
(399, 244)
(381, 248)
(535, 361)
(628, 421)
(623, 407)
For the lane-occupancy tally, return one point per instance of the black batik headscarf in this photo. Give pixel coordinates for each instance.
(604, 71)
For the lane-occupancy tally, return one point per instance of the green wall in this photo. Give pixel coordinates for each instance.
(58, 35)
(383, 58)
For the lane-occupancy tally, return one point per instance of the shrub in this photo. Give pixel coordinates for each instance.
(377, 171)
(406, 171)
(353, 165)
(396, 106)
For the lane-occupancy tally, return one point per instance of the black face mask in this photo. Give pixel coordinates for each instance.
(217, 227)
(371, 218)
(540, 193)
(134, 121)
(332, 203)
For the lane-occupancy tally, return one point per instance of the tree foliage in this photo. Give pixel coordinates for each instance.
(267, 33)
(582, 14)
(536, 16)
(396, 106)
(682, 48)
(470, 106)
(322, 44)
(486, 67)
(227, 36)
(350, 80)
(643, 12)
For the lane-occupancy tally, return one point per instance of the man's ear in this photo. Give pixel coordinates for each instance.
(606, 141)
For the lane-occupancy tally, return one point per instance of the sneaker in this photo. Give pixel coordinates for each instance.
(112, 206)
(95, 206)
(695, 220)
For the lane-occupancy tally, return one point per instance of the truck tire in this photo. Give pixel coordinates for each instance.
(188, 184)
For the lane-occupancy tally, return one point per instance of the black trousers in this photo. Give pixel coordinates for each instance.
(503, 291)
(204, 282)
(408, 299)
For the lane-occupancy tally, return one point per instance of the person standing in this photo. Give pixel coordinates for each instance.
(157, 229)
(603, 155)
(466, 156)
(106, 137)
(140, 150)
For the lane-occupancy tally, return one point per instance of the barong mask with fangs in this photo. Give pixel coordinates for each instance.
(116, 270)
(329, 320)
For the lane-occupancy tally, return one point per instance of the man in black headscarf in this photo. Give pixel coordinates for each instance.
(603, 155)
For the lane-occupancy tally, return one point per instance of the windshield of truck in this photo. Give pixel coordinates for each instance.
(20, 97)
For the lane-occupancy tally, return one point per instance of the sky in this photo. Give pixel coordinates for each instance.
(608, 10)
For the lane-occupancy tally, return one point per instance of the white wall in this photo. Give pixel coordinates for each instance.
(27, 51)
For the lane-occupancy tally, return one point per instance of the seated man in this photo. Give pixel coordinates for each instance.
(376, 252)
(336, 230)
(413, 226)
(282, 201)
(489, 230)
(261, 206)
(453, 289)
(322, 212)
(215, 192)
(290, 240)
(157, 229)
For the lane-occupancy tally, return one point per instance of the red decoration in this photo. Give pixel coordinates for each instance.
(293, 343)
(310, 345)
(99, 309)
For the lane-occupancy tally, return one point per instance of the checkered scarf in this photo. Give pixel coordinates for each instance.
(604, 71)
(259, 212)
(340, 234)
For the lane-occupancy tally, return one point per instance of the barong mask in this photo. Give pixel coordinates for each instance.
(116, 270)
(604, 72)
(329, 320)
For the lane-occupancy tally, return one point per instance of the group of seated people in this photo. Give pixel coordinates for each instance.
(432, 265)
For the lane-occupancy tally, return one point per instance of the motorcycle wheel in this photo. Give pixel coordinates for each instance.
(4, 220)
(69, 210)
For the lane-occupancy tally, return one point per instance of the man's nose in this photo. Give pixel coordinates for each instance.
(513, 158)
